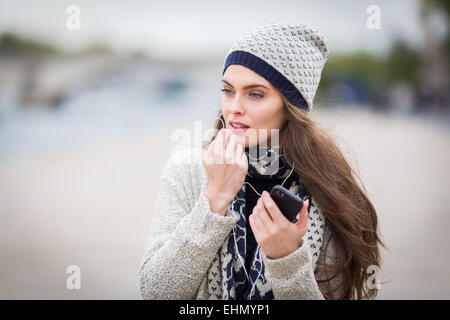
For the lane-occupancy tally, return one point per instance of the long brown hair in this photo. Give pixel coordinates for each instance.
(331, 181)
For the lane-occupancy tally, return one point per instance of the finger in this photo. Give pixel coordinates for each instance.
(255, 224)
(239, 150)
(230, 137)
(227, 134)
(238, 154)
(259, 228)
(208, 152)
(213, 147)
(304, 214)
(275, 213)
(221, 138)
(262, 213)
(231, 149)
(219, 147)
(207, 157)
(244, 159)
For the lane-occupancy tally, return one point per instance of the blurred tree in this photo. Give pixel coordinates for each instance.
(10, 44)
(360, 64)
(403, 64)
(444, 7)
(357, 73)
(435, 74)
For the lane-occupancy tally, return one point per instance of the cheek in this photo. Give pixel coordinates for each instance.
(276, 115)
(268, 119)
(224, 108)
(279, 120)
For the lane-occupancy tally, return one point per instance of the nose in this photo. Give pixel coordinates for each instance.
(237, 106)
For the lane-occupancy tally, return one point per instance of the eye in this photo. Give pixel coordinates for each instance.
(253, 94)
(256, 95)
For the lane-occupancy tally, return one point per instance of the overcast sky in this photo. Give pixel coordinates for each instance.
(174, 28)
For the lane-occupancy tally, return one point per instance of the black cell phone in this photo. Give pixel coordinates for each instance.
(288, 203)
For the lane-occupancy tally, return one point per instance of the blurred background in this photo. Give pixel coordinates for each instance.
(90, 108)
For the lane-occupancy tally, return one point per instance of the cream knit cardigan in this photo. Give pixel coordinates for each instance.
(185, 236)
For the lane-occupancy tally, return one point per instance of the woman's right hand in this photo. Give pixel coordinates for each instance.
(226, 165)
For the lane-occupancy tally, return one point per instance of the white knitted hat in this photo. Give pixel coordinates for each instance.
(291, 57)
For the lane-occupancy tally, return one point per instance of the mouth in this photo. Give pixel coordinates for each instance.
(238, 126)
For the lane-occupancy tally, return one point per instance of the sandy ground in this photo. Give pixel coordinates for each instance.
(91, 206)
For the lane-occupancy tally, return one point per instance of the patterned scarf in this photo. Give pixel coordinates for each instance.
(228, 268)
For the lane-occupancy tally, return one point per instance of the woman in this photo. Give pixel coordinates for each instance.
(217, 233)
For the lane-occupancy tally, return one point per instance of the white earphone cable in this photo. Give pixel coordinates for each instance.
(259, 272)
(258, 253)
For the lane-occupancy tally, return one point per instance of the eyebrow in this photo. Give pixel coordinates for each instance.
(251, 86)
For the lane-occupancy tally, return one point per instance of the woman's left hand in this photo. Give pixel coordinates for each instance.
(275, 234)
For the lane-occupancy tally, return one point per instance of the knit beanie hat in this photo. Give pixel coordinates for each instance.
(290, 57)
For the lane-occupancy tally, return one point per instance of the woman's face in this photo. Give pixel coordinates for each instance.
(251, 100)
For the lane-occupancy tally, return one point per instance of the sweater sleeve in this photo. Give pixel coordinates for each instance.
(182, 241)
(292, 277)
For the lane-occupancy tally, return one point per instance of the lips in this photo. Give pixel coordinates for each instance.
(238, 125)
(237, 129)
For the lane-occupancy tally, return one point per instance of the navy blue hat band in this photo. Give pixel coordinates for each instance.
(265, 70)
